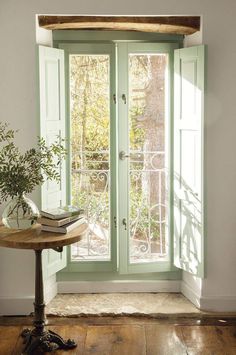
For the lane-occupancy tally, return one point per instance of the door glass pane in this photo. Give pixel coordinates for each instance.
(148, 160)
(90, 117)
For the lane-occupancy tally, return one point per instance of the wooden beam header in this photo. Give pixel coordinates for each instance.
(184, 25)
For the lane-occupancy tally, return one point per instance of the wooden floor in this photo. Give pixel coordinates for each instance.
(131, 336)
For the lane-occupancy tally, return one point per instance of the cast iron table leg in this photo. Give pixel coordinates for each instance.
(39, 338)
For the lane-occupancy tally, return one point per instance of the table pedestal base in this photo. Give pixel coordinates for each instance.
(39, 339)
(46, 342)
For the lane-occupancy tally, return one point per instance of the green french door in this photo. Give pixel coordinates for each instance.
(119, 109)
(144, 156)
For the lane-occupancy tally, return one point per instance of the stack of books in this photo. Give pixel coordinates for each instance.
(61, 219)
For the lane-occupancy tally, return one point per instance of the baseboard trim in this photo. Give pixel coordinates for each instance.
(218, 303)
(118, 286)
(209, 303)
(190, 294)
(23, 306)
(16, 306)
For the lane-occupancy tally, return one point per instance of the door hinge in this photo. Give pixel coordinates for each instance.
(114, 98)
(124, 98)
(124, 222)
(115, 222)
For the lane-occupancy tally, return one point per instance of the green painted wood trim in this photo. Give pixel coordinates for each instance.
(191, 54)
(77, 36)
(37, 97)
(123, 51)
(176, 42)
(115, 276)
(68, 127)
(123, 139)
(171, 153)
(89, 266)
(95, 48)
(52, 261)
(202, 53)
(204, 163)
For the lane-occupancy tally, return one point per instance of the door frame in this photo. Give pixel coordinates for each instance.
(171, 43)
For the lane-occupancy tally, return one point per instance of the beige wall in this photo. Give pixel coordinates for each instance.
(18, 106)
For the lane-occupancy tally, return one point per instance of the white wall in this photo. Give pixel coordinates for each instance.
(18, 103)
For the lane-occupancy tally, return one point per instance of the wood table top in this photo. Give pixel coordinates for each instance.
(37, 239)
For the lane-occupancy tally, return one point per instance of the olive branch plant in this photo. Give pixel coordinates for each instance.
(21, 172)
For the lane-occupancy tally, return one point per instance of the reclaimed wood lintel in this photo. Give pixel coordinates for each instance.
(184, 25)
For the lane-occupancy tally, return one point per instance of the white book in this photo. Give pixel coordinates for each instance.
(61, 212)
(66, 228)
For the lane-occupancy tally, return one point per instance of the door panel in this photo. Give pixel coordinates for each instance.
(144, 168)
(90, 72)
(188, 160)
(52, 125)
(90, 151)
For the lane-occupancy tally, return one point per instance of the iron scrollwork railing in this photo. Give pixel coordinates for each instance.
(147, 206)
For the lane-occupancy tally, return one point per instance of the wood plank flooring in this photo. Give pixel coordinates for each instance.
(130, 335)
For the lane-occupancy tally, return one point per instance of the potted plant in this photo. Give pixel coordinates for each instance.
(21, 172)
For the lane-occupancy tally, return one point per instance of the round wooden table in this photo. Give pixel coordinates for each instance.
(37, 240)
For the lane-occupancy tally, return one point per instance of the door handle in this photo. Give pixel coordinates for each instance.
(123, 155)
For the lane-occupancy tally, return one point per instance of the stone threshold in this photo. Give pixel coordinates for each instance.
(152, 305)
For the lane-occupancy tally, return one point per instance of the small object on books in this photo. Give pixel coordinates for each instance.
(62, 212)
(65, 228)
